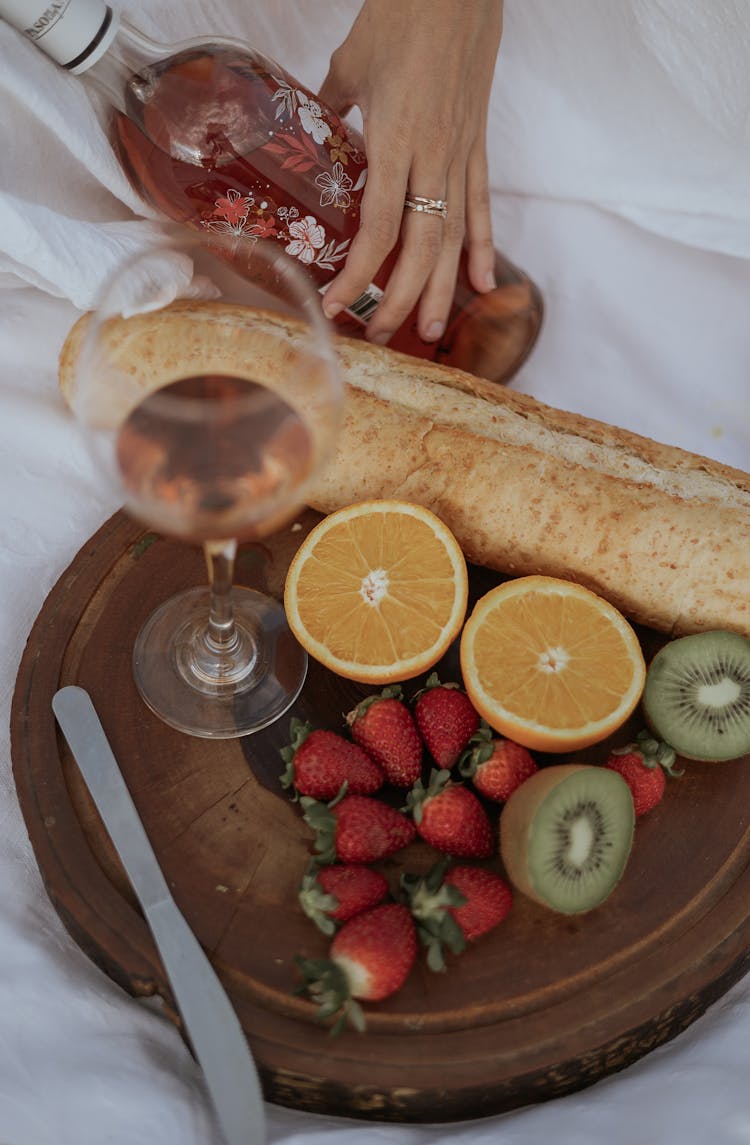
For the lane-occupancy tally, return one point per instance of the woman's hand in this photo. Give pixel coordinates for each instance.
(421, 75)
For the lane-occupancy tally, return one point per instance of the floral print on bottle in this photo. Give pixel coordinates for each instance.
(304, 142)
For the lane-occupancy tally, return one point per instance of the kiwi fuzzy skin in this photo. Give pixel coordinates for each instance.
(515, 824)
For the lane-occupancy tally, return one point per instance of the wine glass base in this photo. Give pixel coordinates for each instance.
(254, 688)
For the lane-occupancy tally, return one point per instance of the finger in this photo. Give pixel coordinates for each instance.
(381, 212)
(427, 266)
(479, 239)
(437, 296)
(335, 91)
(422, 240)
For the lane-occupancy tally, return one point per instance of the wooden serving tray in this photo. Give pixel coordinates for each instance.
(544, 1005)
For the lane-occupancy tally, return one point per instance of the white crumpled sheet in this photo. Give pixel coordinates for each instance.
(641, 330)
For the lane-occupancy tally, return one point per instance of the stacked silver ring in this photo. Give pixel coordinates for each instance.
(426, 206)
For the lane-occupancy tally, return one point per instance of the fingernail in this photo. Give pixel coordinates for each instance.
(434, 331)
(331, 309)
(382, 337)
(490, 281)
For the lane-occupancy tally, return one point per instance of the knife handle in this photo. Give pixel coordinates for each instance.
(212, 1026)
(209, 1019)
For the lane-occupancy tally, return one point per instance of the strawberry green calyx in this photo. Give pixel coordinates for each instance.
(319, 817)
(332, 893)
(299, 730)
(434, 681)
(391, 692)
(480, 749)
(327, 985)
(429, 899)
(655, 753)
(438, 781)
(317, 904)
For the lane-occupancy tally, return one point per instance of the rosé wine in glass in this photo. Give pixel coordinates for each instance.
(211, 416)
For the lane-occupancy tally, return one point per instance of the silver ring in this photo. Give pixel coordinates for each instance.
(426, 206)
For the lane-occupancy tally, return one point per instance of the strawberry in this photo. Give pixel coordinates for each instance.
(318, 762)
(644, 765)
(331, 895)
(446, 719)
(356, 828)
(488, 900)
(455, 906)
(383, 725)
(369, 959)
(450, 817)
(495, 766)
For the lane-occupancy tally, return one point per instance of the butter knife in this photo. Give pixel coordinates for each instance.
(218, 1041)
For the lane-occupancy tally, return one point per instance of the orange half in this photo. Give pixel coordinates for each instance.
(377, 591)
(550, 664)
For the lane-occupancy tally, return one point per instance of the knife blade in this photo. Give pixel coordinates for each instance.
(217, 1038)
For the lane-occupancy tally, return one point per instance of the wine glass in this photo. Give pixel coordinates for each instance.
(212, 415)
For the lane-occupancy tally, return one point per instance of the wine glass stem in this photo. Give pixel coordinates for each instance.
(222, 632)
(217, 654)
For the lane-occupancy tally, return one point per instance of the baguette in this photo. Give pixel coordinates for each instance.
(662, 533)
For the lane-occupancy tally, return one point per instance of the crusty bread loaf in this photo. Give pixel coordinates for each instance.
(662, 533)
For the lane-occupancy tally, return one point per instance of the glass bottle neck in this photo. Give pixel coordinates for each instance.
(89, 39)
(129, 53)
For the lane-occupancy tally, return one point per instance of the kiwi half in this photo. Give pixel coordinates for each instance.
(697, 695)
(566, 834)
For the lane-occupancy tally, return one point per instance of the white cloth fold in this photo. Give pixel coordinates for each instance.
(639, 107)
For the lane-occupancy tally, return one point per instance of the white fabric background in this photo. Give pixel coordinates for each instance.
(619, 157)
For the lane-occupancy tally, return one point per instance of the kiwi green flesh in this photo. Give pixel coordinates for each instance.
(697, 695)
(580, 840)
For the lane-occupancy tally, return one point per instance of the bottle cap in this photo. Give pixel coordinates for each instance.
(75, 33)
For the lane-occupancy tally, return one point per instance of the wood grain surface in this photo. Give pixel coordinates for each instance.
(543, 1006)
